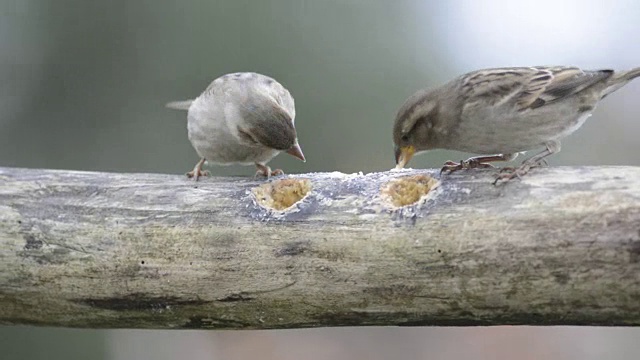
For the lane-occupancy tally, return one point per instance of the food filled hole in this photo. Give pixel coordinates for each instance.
(282, 194)
(408, 190)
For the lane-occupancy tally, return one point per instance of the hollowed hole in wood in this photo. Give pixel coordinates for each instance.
(282, 194)
(408, 190)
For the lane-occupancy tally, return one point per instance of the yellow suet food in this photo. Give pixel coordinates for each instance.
(282, 194)
(408, 190)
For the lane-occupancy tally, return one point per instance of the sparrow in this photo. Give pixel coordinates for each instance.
(241, 118)
(502, 112)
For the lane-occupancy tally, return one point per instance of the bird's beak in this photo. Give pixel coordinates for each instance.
(296, 151)
(403, 155)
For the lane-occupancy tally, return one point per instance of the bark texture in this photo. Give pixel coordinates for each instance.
(106, 250)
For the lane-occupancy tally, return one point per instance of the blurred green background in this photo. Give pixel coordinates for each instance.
(83, 86)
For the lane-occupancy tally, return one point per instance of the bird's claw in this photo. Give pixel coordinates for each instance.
(509, 173)
(451, 166)
(267, 172)
(541, 163)
(277, 172)
(197, 174)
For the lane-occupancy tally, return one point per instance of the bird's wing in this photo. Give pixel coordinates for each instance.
(567, 81)
(526, 88)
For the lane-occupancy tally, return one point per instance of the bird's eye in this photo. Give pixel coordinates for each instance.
(405, 138)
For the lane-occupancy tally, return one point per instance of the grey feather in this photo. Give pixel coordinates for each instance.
(179, 105)
(619, 79)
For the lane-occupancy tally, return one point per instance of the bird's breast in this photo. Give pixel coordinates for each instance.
(212, 136)
(509, 132)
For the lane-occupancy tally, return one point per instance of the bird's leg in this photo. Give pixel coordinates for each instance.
(532, 162)
(264, 170)
(197, 170)
(540, 163)
(476, 162)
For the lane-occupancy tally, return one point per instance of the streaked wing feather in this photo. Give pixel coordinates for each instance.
(529, 88)
(534, 86)
(569, 81)
(493, 87)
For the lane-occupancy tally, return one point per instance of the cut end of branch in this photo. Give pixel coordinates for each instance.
(408, 190)
(282, 194)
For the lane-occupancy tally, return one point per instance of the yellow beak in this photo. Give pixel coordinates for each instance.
(403, 155)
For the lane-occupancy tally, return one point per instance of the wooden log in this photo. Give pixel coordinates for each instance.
(107, 250)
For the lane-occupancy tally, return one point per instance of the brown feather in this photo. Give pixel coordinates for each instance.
(530, 88)
(268, 125)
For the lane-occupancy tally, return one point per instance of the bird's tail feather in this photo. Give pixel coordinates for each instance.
(628, 75)
(179, 105)
(620, 79)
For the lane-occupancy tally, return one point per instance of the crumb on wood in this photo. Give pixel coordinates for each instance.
(408, 190)
(282, 194)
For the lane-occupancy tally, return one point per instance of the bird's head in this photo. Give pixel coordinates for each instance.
(412, 130)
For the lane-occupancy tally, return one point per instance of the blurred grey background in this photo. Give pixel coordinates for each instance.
(83, 86)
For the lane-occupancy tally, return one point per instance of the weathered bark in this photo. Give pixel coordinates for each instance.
(81, 249)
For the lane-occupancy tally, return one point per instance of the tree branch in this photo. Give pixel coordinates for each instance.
(104, 250)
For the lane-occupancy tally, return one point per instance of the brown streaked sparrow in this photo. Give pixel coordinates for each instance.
(241, 118)
(502, 112)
